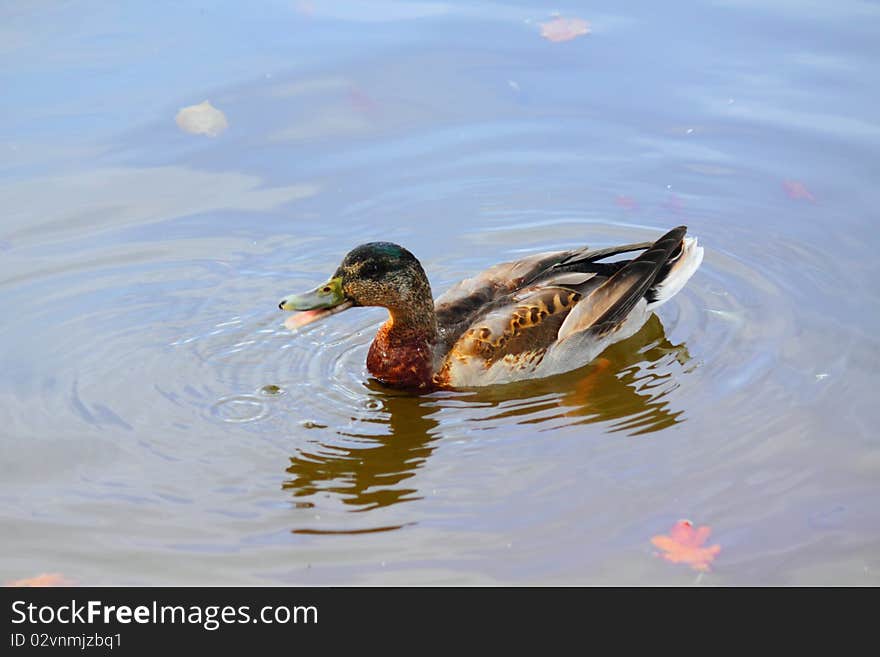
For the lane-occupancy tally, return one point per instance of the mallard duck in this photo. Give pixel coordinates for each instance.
(545, 314)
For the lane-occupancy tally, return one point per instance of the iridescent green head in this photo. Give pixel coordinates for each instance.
(374, 274)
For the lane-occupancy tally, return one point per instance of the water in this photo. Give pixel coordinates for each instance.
(161, 426)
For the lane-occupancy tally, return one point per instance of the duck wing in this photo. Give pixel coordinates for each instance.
(494, 289)
(516, 330)
(500, 329)
(609, 304)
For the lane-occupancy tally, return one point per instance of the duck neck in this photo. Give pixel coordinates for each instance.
(402, 354)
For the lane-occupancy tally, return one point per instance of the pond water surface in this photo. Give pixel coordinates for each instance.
(161, 426)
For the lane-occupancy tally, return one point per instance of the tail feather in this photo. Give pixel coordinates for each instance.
(610, 303)
(669, 282)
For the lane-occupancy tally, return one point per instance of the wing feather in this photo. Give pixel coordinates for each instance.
(609, 303)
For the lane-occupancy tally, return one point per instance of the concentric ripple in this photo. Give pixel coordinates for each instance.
(362, 443)
(163, 426)
(347, 436)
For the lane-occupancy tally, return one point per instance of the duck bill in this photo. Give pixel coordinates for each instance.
(325, 300)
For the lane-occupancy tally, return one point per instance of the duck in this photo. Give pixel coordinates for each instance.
(538, 316)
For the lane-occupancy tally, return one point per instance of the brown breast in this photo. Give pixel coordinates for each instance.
(401, 359)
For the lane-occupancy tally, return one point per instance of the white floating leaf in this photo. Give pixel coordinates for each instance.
(202, 119)
(564, 29)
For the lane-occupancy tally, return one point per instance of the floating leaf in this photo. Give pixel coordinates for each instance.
(684, 544)
(564, 29)
(361, 101)
(202, 119)
(44, 579)
(626, 202)
(674, 203)
(304, 7)
(797, 190)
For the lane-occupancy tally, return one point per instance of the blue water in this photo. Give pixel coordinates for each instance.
(161, 426)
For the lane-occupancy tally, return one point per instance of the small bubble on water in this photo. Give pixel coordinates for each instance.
(373, 405)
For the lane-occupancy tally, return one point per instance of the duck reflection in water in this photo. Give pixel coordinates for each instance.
(370, 471)
(626, 387)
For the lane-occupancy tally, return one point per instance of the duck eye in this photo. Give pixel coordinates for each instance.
(371, 270)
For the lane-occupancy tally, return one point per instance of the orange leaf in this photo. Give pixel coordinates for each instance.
(44, 579)
(797, 190)
(564, 29)
(304, 7)
(361, 101)
(674, 203)
(685, 545)
(626, 202)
